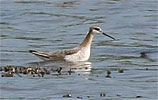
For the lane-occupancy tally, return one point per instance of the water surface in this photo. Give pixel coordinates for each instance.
(48, 25)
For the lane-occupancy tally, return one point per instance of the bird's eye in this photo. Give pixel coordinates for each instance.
(97, 29)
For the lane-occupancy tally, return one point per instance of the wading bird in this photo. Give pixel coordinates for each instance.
(79, 53)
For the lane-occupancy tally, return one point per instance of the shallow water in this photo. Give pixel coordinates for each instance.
(48, 25)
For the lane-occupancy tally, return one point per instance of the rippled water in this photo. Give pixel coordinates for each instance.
(51, 25)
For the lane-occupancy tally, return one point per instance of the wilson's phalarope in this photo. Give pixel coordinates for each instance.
(79, 53)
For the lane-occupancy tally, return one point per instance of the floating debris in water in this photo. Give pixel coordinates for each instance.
(97, 76)
(79, 97)
(108, 74)
(88, 96)
(59, 70)
(118, 95)
(70, 71)
(9, 74)
(146, 68)
(138, 96)
(1, 69)
(120, 70)
(143, 54)
(46, 71)
(67, 95)
(9, 71)
(102, 94)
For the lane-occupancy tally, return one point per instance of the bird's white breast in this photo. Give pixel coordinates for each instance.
(82, 55)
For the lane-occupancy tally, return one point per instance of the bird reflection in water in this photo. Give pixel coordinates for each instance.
(83, 67)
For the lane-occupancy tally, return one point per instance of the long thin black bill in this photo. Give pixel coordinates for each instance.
(109, 36)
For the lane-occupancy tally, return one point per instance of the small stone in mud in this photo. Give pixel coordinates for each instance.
(102, 94)
(120, 70)
(67, 95)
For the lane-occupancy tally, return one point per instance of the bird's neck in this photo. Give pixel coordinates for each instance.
(88, 40)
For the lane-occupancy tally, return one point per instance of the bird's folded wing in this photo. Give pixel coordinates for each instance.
(62, 54)
(55, 55)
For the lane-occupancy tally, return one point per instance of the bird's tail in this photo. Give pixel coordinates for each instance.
(40, 54)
